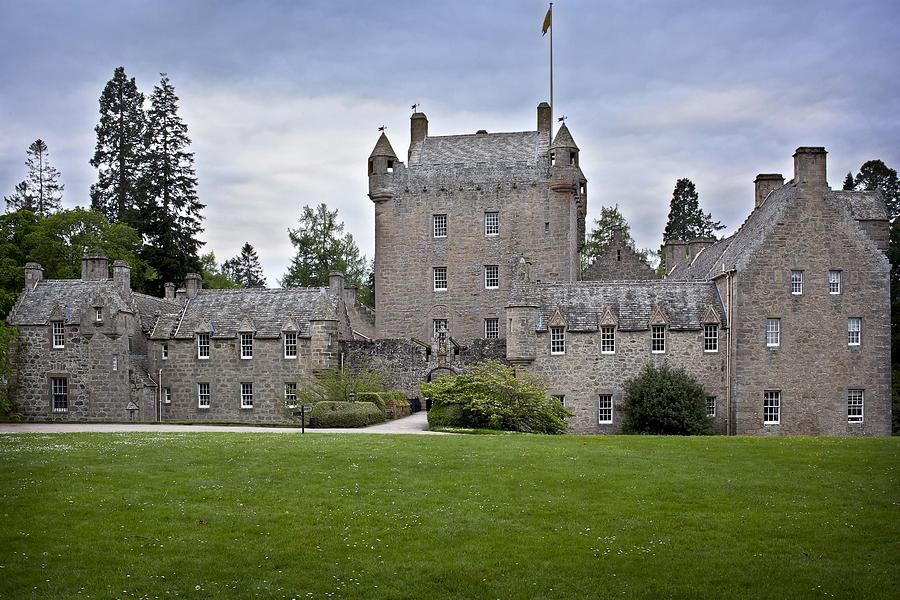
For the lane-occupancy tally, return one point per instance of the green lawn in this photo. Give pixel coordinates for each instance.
(278, 515)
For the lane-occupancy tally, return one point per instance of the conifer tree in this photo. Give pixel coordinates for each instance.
(245, 268)
(686, 219)
(600, 237)
(20, 199)
(43, 179)
(849, 184)
(119, 153)
(875, 175)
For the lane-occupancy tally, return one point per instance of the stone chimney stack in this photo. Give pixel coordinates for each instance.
(418, 128)
(170, 290)
(94, 267)
(543, 118)
(676, 254)
(33, 273)
(193, 283)
(336, 282)
(809, 167)
(765, 183)
(122, 275)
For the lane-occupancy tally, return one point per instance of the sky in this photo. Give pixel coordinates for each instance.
(283, 99)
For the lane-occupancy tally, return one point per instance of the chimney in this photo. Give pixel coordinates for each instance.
(336, 282)
(193, 283)
(122, 275)
(696, 245)
(765, 183)
(675, 254)
(33, 273)
(809, 167)
(94, 267)
(170, 290)
(418, 128)
(543, 118)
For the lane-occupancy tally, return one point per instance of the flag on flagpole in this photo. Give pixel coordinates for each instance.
(548, 21)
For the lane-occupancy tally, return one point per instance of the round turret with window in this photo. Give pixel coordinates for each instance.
(382, 163)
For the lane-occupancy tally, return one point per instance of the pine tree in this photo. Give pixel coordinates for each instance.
(686, 219)
(20, 199)
(849, 184)
(875, 175)
(169, 214)
(119, 153)
(245, 268)
(43, 179)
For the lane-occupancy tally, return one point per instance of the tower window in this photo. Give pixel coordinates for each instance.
(440, 226)
(371, 167)
(390, 166)
(618, 255)
(573, 158)
(491, 277)
(440, 278)
(553, 159)
(491, 223)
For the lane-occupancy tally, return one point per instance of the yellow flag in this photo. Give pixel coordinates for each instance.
(547, 21)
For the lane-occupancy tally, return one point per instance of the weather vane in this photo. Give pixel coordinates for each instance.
(382, 128)
(415, 107)
(562, 119)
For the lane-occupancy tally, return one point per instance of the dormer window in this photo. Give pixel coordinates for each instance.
(246, 345)
(290, 344)
(59, 334)
(99, 315)
(203, 346)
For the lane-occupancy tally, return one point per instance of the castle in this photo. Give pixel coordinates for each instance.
(785, 323)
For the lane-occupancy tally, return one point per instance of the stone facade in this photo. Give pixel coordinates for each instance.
(619, 262)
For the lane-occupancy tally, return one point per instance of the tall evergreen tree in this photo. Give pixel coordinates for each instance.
(849, 184)
(686, 219)
(610, 219)
(20, 199)
(170, 212)
(875, 175)
(245, 268)
(119, 153)
(43, 179)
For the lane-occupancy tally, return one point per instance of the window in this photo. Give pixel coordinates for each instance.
(99, 315)
(773, 333)
(604, 409)
(167, 395)
(573, 158)
(834, 282)
(710, 406)
(658, 339)
(440, 279)
(440, 226)
(290, 344)
(440, 329)
(390, 166)
(491, 277)
(59, 334)
(855, 406)
(491, 223)
(203, 345)
(290, 394)
(796, 283)
(164, 351)
(59, 390)
(246, 345)
(203, 395)
(711, 338)
(854, 329)
(557, 340)
(618, 255)
(246, 395)
(772, 408)
(608, 339)
(559, 398)
(553, 159)
(115, 362)
(492, 328)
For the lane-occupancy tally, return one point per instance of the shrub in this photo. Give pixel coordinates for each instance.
(334, 385)
(664, 401)
(8, 346)
(392, 404)
(492, 397)
(347, 414)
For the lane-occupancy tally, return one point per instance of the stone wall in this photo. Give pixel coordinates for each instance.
(619, 262)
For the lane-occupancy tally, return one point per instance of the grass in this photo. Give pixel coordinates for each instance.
(280, 515)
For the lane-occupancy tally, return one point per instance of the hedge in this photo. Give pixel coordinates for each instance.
(346, 414)
(392, 404)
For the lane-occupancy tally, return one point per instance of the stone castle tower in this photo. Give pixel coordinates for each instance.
(452, 223)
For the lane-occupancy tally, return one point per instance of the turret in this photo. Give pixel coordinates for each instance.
(521, 307)
(382, 163)
(565, 174)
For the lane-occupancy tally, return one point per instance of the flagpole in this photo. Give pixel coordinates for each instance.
(552, 106)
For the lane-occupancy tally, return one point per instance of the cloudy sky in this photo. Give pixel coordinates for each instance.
(283, 99)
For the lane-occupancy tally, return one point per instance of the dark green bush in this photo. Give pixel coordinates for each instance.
(446, 415)
(665, 401)
(335, 385)
(347, 414)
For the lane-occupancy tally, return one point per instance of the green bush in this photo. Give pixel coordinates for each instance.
(334, 385)
(8, 345)
(493, 397)
(392, 404)
(347, 414)
(665, 401)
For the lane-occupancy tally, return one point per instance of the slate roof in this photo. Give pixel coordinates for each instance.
(150, 308)
(582, 303)
(523, 146)
(864, 205)
(72, 295)
(223, 313)
(383, 147)
(563, 139)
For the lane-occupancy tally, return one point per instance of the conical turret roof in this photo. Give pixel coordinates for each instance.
(383, 147)
(563, 139)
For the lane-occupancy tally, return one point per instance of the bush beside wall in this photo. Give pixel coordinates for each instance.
(347, 414)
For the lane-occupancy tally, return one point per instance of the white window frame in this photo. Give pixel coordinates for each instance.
(246, 394)
(710, 406)
(557, 341)
(436, 327)
(834, 282)
(491, 223)
(773, 332)
(167, 395)
(290, 343)
(59, 390)
(439, 275)
(246, 342)
(290, 394)
(203, 394)
(854, 331)
(99, 315)
(203, 344)
(607, 339)
(796, 283)
(856, 404)
(605, 409)
(439, 225)
(772, 407)
(711, 337)
(657, 339)
(58, 333)
(491, 277)
(164, 351)
(115, 362)
(492, 328)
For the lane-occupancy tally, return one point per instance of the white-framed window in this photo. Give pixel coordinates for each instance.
(557, 340)
(246, 394)
(440, 328)
(290, 344)
(834, 282)
(608, 339)
(115, 362)
(854, 331)
(59, 334)
(711, 337)
(59, 393)
(290, 394)
(203, 394)
(855, 401)
(492, 328)
(167, 395)
(99, 316)
(561, 398)
(439, 223)
(246, 346)
(491, 223)
(491, 277)
(164, 351)
(773, 333)
(605, 409)
(440, 279)
(657, 339)
(772, 407)
(203, 346)
(797, 283)
(710, 406)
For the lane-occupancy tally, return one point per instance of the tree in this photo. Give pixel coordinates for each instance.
(8, 347)
(686, 219)
(849, 184)
(119, 153)
(664, 401)
(875, 175)
(42, 179)
(170, 214)
(245, 268)
(20, 199)
(213, 277)
(601, 236)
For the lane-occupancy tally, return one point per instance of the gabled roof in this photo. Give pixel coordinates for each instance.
(72, 296)
(563, 139)
(150, 308)
(524, 146)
